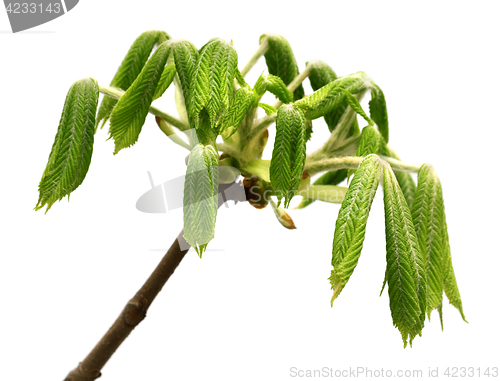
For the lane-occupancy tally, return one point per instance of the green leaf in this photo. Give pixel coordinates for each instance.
(378, 111)
(165, 80)
(130, 68)
(330, 96)
(201, 190)
(369, 143)
(427, 215)
(274, 85)
(69, 159)
(430, 225)
(405, 272)
(320, 74)
(289, 152)
(213, 80)
(354, 103)
(240, 79)
(328, 178)
(130, 112)
(350, 227)
(240, 104)
(268, 108)
(450, 281)
(185, 57)
(281, 62)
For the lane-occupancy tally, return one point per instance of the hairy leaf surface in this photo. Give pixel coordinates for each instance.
(69, 159)
(330, 96)
(130, 112)
(274, 85)
(212, 81)
(165, 80)
(378, 111)
(405, 273)
(281, 62)
(130, 68)
(351, 222)
(289, 152)
(201, 189)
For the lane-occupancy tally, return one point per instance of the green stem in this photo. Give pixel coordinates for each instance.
(352, 162)
(400, 166)
(116, 93)
(263, 47)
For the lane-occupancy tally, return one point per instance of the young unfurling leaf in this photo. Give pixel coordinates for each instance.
(378, 111)
(428, 214)
(243, 99)
(130, 112)
(281, 61)
(201, 190)
(354, 103)
(130, 68)
(351, 223)
(213, 80)
(405, 272)
(289, 152)
(322, 74)
(165, 80)
(185, 57)
(274, 85)
(268, 108)
(430, 225)
(69, 159)
(330, 96)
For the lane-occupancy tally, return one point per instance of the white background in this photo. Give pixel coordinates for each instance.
(258, 303)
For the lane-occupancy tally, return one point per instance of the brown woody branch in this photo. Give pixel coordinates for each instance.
(133, 313)
(135, 310)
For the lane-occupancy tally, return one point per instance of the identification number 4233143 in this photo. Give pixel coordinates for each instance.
(33, 8)
(471, 372)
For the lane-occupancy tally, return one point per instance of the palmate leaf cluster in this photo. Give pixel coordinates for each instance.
(218, 114)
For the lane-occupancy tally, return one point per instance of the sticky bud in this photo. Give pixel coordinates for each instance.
(255, 191)
(283, 217)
